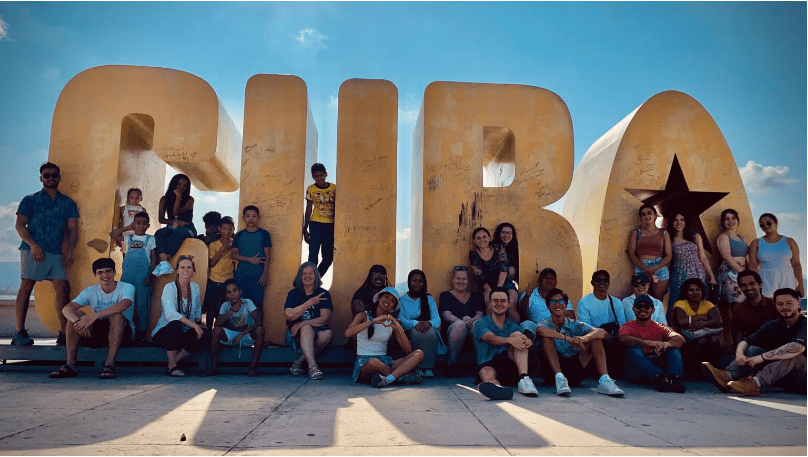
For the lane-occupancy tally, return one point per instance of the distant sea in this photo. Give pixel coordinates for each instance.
(9, 278)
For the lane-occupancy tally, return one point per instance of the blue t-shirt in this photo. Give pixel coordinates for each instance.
(538, 310)
(249, 244)
(47, 219)
(485, 351)
(240, 319)
(99, 300)
(571, 328)
(297, 297)
(597, 312)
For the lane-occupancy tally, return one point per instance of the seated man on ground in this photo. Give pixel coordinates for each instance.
(749, 315)
(640, 285)
(109, 325)
(237, 324)
(652, 349)
(535, 310)
(569, 345)
(501, 352)
(774, 356)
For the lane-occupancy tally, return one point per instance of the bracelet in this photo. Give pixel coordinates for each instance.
(762, 358)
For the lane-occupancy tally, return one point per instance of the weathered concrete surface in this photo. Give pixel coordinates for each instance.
(279, 414)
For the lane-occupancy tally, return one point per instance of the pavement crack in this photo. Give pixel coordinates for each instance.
(504, 448)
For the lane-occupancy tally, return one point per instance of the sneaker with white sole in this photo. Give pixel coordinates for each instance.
(380, 381)
(562, 386)
(527, 388)
(495, 392)
(608, 387)
(428, 374)
(162, 268)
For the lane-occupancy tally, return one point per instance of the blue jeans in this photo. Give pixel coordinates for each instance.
(642, 368)
(250, 288)
(321, 234)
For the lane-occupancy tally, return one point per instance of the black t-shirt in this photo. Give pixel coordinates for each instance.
(448, 302)
(297, 297)
(363, 294)
(774, 334)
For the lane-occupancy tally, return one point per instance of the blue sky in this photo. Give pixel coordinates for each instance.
(745, 62)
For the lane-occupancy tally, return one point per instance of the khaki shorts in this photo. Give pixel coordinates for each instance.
(50, 268)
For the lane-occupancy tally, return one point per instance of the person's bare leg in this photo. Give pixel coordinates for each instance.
(513, 312)
(658, 289)
(372, 367)
(488, 374)
(163, 257)
(72, 339)
(519, 357)
(596, 351)
(407, 363)
(215, 344)
(322, 340)
(62, 289)
(307, 344)
(257, 336)
(22, 302)
(457, 337)
(551, 354)
(116, 326)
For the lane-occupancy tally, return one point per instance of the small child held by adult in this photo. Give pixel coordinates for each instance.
(238, 324)
(251, 250)
(220, 269)
(140, 260)
(318, 226)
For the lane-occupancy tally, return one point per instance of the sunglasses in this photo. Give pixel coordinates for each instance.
(461, 268)
(51, 175)
(644, 306)
(560, 301)
(639, 284)
(766, 224)
(601, 280)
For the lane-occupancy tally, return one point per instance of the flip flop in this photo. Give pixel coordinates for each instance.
(108, 372)
(175, 372)
(65, 371)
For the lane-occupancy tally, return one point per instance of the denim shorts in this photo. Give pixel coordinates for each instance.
(662, 273)
(362, 359)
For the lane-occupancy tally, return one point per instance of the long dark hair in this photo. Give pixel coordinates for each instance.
(423, 295)
(686, 285)
(374, 313)
(688, 233)
(512, 248)
(170, 196)
(375, 269)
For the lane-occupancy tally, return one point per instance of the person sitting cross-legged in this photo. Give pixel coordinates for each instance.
(237, 324)
(109, 325)
(501, 351)
(773, 356)
(568, 347)
(652, 349)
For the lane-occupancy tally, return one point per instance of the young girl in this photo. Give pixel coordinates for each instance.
(179, 330)
(372, 330)
(128, 212)
(137, 265)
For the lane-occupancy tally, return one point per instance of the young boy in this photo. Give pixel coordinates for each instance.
(251, 251)
(318, 226)
(139, 261)
(211, 220)
(128, 212)
(220, 269)
(238, 324)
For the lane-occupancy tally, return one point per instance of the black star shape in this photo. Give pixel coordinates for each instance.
(677, 197)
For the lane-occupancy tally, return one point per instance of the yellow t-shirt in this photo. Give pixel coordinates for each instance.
(322, 203)
(704, 307)
(223, 270)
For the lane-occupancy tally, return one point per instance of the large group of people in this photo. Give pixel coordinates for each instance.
(398, 335)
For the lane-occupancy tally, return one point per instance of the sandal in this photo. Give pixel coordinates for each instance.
(296, 368)
(107, 373)
(65, 371)
(315, 373)
(175, 372)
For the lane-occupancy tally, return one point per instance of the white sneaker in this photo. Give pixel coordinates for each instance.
(562, 386)
(162, 268)
(428, 374)
(526, 387)
(609, 388)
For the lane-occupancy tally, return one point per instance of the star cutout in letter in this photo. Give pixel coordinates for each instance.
(677, 197)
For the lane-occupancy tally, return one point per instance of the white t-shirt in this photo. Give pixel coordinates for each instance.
(139, 241)
(598, 312)
(240, 319)
(99, 300)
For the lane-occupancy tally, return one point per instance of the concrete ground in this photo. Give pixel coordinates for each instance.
(277, 413)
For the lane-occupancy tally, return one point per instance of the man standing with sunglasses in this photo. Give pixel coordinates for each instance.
(652, 350)
(42, 218)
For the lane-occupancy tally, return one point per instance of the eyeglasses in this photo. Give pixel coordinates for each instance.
(51, 175)
(766, 224)
(506, 232)
(639, 284)
(560, 301)
(461, 268)
(643, 305)
(601, 280)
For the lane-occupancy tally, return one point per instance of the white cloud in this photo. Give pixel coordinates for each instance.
(333, 102)
(759, 178)
(9, 239)
(52, 73)
(3, 29)
(404, 234)
(310, 38)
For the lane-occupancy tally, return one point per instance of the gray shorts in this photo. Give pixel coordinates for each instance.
(50, 268)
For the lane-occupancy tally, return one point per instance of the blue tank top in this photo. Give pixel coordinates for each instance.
(738, 248)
